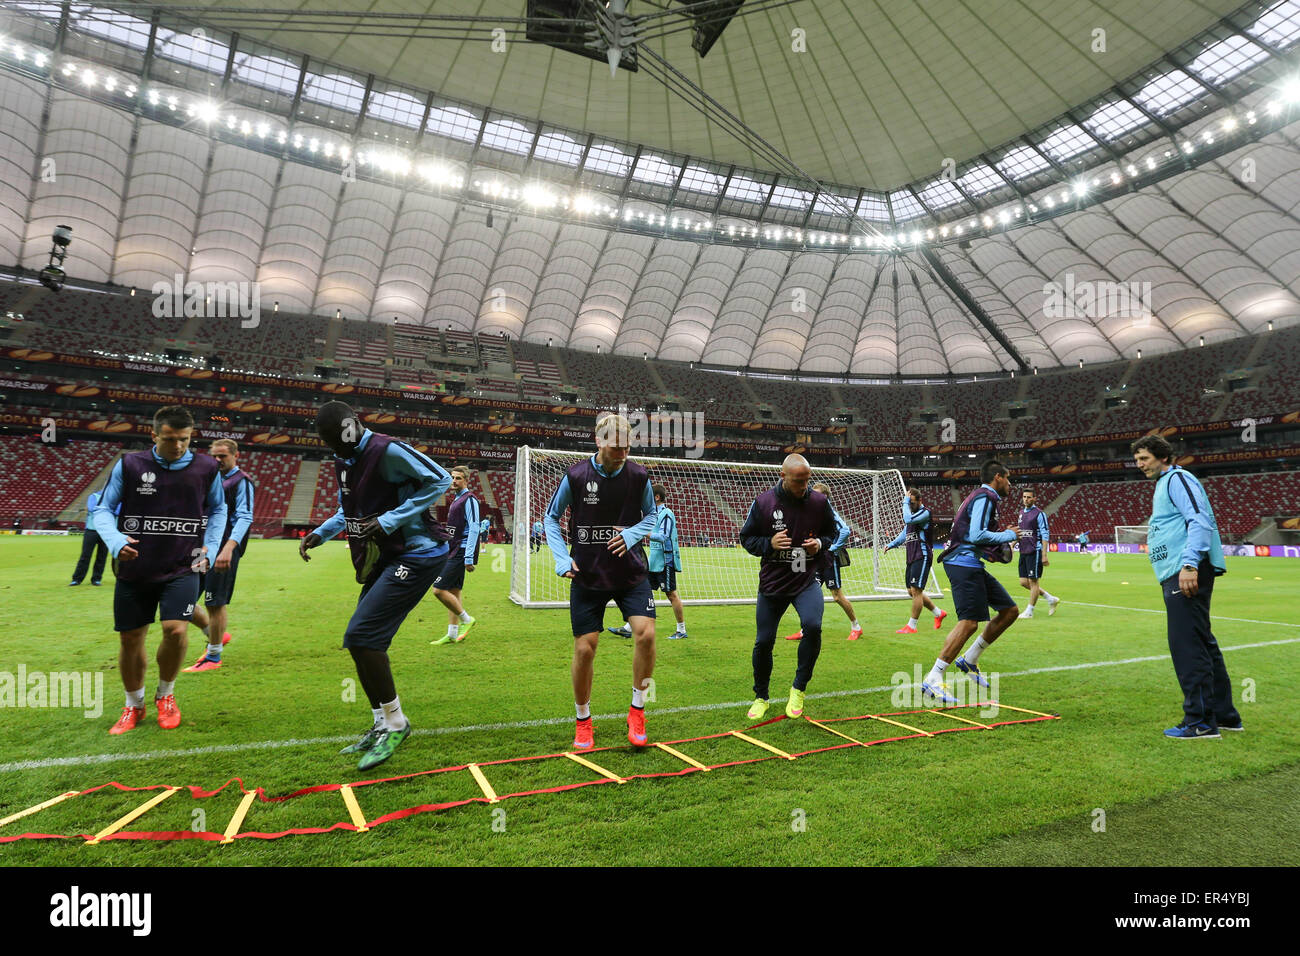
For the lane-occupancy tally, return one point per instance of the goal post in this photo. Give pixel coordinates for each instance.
(710, 500)
(1130, 534)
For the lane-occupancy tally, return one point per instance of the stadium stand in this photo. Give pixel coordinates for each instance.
(273, 474)
(37, 481)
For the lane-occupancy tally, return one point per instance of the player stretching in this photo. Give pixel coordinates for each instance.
(385, 490)
(787, 575)
(828, 570)
(611, 508)
(165, 494)
(466, 526)
(1032, 543)
(918, 534)
(219, 586)
(973, 589)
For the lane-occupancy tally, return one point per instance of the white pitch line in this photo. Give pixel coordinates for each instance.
(92, 759)
(1153, 610)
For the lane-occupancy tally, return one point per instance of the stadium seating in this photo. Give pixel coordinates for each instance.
(38, 481)
(273, 474)
(326, 500)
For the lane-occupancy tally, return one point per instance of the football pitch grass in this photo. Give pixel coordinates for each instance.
(278, 711)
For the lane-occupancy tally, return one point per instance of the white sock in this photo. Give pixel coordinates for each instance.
(453, 630)
(135, 698)
(936, 672)
(911, 622)
(1046, 595)
(936, 610)
(394, 719)
(165, 687)
(638, 697)
(584, 710)
(854, 625)
(214, 650)
(976, 650)
(465, 617)
(379, 714)
(681, 627)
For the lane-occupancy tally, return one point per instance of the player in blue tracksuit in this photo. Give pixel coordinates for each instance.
(664, 558)
(663, 561)
(161, 515)
(91, 544)
(918, 537)
(218, 587)
(467, 529)
(1032, 538)
(1186, 555)
(611, 508)
(974, 538)
(386, 488)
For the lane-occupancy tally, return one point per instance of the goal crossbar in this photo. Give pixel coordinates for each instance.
(710, 500)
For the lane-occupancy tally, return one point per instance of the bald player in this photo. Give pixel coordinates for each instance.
(788, 527)
(611, 508)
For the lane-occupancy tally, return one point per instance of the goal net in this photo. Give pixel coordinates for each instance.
(1130, 534)
(710, 501)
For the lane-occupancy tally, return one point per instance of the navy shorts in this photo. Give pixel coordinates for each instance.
(452, 576)
(665, 580)
(389, 594)
(918, 571)
(218, 587)
(829, 574)
(136, 603)
(974, 591)
(1031, 565)
(587, 607)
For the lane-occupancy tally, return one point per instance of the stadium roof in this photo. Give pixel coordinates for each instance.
(884, 91)
(1140, 177)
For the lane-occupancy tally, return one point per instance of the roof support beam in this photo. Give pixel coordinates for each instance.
(966, 299)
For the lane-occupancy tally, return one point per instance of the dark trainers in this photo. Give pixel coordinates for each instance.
(367, 739)
(384, 746)
(1237, 727)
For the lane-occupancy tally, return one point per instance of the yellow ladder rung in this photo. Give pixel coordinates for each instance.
(831, 730)
(1021, 709)
(915, 730)
(354, 808)
(681, 756)
(137, 812)
(758, 743)
(944, 713)
(237, 820)
(39, 807)
(596, 767)
(483, 784)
